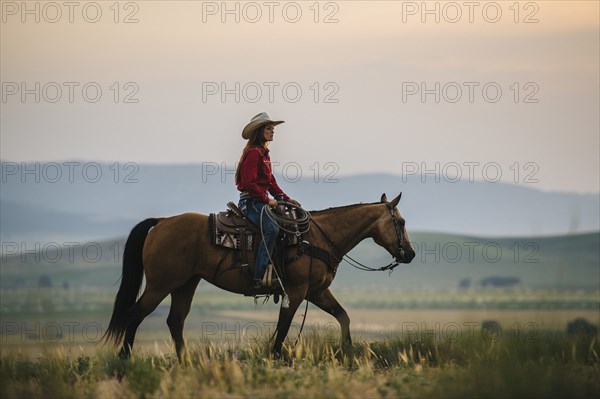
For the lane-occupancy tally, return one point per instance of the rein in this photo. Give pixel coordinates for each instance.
(360, 266)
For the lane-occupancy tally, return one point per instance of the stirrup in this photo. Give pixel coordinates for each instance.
(267, 279)
(260, 285)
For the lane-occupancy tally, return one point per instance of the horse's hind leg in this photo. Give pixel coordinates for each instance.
(327, 302)
(142, 308)
(181, 301)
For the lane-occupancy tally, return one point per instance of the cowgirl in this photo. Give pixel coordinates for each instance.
(254, 178)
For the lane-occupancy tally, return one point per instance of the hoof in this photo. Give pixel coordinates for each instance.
(124, 354)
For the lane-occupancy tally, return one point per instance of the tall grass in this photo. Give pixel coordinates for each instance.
(552, 366)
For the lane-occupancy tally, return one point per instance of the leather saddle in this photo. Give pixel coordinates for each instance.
(233, 221)
(231, 229)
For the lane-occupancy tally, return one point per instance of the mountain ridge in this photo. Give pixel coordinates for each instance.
(109, 208)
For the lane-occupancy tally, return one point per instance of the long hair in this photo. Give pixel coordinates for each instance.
(257, 139)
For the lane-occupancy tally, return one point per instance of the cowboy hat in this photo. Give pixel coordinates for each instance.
(256, 122)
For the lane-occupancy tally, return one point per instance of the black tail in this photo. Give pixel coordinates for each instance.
(131, 281)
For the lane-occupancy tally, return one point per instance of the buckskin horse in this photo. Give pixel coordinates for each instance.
(175, 253)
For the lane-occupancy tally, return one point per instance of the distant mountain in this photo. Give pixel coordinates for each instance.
(20, 219)
(108, 200)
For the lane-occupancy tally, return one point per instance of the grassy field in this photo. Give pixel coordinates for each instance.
(474, 366)
(51, 352)
(415, 333)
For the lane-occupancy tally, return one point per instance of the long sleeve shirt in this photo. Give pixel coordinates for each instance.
(257, 175)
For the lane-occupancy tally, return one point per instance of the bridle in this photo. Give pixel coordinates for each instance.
(354, 263)
(398, 233)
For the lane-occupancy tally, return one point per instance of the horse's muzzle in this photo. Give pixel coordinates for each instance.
(406, 256)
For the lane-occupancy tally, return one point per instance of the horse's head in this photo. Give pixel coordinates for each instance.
(390, 232)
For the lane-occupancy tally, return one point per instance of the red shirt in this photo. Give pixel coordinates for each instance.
(257, 175)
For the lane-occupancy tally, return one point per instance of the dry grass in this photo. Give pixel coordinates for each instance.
(553, 366)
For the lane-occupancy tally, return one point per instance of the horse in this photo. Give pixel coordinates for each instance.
(175, 253)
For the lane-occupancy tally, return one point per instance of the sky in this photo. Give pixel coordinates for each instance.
(486, 90)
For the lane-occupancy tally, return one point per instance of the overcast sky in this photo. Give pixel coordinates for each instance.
(508, 88)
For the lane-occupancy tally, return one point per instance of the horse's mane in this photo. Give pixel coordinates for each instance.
(342, 207)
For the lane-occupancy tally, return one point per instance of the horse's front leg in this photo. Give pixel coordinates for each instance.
(286, 315)
(327, 302)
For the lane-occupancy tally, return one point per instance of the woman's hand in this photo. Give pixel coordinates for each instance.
(272, 202)
(295, 203)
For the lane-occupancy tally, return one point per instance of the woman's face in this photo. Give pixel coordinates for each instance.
(268, 132)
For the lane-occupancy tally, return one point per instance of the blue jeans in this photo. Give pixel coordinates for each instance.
(252, 210)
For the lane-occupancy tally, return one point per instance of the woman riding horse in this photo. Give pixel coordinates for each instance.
(254, 178)
(175, 253)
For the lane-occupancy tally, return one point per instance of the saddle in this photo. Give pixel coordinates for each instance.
(231, 229)
(232, 220)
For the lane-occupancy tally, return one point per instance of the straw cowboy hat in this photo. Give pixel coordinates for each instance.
(256, 122)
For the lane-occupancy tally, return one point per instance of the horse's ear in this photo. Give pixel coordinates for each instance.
(395, 201)
(383, 198)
